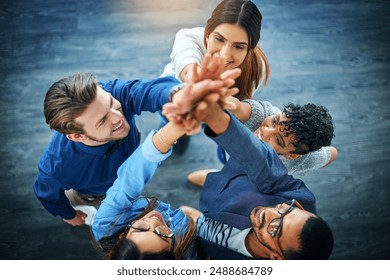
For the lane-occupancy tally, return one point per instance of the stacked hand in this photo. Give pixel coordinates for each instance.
(210, 87)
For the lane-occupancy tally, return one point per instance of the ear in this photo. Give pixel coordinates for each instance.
(292, 156)
(76, 137)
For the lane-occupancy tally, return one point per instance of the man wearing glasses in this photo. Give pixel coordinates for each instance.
(285, 231)
(244, 206)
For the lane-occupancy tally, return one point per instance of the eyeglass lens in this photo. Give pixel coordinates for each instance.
(283, 210)
(141, 225)
(161, 230)
(164, 231)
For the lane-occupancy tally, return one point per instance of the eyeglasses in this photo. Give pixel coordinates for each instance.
(276, 224)
(162, 230)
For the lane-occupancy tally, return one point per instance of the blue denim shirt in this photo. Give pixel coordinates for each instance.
(124, 200)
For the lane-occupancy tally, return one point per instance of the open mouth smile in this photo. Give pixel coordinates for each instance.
(118, 126)
(259, 135)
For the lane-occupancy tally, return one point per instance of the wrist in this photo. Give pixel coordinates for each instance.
(176, 89)
(162, 139)
(219, 123)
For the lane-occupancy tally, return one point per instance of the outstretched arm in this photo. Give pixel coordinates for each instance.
(210, 79)
(188, 49)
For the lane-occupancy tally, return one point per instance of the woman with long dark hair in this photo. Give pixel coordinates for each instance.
(128, 225)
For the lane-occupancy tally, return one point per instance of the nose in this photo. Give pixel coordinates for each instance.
(115, 116)
(225, 52)
(152, 220)
(268, 132)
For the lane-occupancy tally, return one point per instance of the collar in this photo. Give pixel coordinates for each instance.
(94, 150)
(178, 220)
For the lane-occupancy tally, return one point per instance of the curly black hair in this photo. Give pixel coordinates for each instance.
(311, 125)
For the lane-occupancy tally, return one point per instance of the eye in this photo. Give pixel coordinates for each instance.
(102, 121)
(274, 121)
(278, 141)
(219, 39)
(239, 47)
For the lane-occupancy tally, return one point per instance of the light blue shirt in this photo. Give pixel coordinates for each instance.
(124, 200)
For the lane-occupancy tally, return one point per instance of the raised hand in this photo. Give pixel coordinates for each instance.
(185, 99)
(212, 67)
(209, 86)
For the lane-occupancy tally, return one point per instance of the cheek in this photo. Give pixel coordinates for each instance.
(239, 58)
(212, 48)
(148, 242)
(267, 121)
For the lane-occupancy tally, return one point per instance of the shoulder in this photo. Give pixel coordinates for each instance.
(196, 31)
(193, 34)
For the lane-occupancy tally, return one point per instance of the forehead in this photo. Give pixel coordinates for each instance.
(292, 227)
(97, 109)
(280, 117)
(232, 32)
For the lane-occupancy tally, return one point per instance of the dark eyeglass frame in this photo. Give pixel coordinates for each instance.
(278, 228)
(156, 229)
(274, 229)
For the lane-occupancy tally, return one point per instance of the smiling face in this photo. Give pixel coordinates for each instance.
(148, 241)
(102, 121)
(272, 132)
(262, 244)
(230, 41)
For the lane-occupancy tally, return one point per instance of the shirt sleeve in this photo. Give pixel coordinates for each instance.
(188, 48)
(141, 95)
(259, 111)
(133, 175)
(257, 159)
(308, 163)
(52, 196)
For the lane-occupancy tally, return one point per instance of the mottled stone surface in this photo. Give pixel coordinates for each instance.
(328, 52)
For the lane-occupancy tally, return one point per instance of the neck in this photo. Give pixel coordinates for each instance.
(90, 141)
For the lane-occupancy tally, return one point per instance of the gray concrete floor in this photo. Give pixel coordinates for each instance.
(328, 52)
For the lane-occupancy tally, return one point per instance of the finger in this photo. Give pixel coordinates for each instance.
(228, 105)
(212, 97)
(228, 82)
(206, 61)
(170, 107)
(214, 65)
(221, 66)
(195, 75)
(205, 65)
(232, 91)
(201, 105)
(231, 74)
(204, 87)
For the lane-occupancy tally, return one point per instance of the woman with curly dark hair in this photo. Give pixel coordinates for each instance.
(300, 134)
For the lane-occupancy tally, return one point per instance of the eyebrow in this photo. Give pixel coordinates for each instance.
(240, 43)
(99, 123)
(283, 144)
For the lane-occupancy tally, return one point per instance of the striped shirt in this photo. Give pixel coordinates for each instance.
(223, 235)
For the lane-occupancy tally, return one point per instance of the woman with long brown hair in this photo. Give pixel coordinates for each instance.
(232, 32)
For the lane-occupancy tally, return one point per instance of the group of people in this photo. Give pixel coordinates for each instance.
(252, 208)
